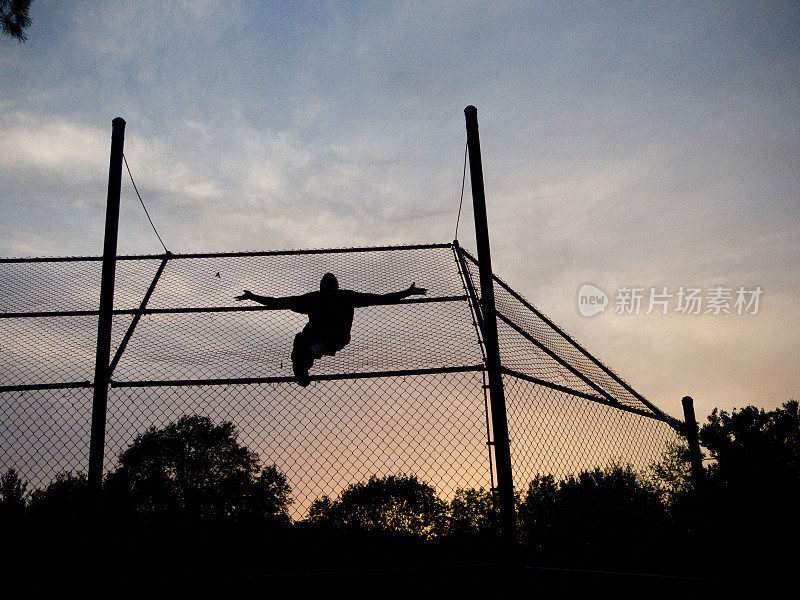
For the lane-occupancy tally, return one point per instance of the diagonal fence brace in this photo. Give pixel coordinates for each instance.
(139, 312)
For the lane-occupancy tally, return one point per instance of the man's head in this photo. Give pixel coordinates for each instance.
(328, 282)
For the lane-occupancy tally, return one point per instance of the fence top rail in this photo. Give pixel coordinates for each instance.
(171, 256)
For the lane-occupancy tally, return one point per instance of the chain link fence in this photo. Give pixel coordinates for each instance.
(406, 396)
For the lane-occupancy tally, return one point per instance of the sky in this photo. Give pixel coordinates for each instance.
(645, 149)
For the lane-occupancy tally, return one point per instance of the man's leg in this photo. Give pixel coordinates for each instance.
(302, 359)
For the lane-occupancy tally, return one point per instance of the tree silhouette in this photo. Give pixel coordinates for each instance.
(392, 504)
(753, 445)
(13, 497)
(64, 501)
(536, 513)
(753, 484)
(14, 19)
(471, 513)
(195, 470)
(673, 475)
(596, 517)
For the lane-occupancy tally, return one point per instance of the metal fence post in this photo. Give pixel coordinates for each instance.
(693, 439)
(505, 482)
(101, 372)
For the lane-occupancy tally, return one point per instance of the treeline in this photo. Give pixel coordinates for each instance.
(191, 490)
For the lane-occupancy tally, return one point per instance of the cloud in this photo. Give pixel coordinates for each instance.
(620, 144)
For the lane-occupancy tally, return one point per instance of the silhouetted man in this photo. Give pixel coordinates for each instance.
(330, 317)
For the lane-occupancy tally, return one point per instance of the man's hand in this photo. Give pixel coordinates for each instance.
(413, 290)
(246, 296)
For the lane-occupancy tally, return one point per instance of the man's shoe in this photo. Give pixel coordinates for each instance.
(303, 379)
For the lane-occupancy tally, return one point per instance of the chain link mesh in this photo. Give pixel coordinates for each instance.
(407, 395)
(45, 432)
(533, 345)
(556, 433)
(334, 433)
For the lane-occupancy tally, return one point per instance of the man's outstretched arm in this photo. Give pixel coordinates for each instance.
(281, 303)
(375, 299)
